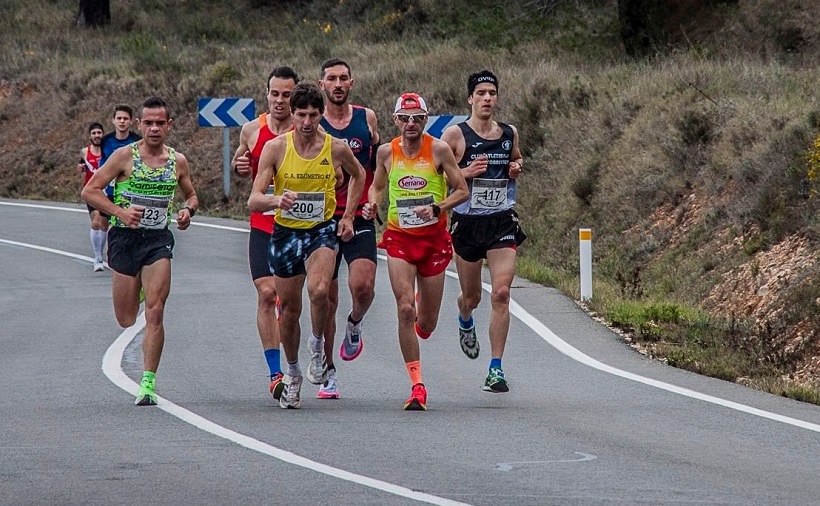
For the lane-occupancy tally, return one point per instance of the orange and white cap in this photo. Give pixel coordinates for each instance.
(410, 101)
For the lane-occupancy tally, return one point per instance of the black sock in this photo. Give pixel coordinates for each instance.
(351, 320)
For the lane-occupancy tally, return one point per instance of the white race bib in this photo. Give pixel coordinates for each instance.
(488, 194)
(155, 214)
(309, 206)
(409, 219)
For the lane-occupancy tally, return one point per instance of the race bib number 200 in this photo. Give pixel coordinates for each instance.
(309, 206)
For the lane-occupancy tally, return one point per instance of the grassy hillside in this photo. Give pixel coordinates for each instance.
(697, 168)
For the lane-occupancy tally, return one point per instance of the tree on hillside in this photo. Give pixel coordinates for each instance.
(94, 13)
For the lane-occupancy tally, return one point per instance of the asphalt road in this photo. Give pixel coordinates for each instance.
(587, 421)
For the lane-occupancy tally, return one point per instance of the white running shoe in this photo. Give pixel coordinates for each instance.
(352, 344)
(329, 390)
(317, 369)
(98, 265)
(290, 393)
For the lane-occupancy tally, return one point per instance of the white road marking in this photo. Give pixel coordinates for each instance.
(584, 457)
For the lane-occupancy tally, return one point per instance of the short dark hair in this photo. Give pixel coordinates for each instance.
(156, 103)
(123, 108)
(307, 94)
(282, 72)
(95, 126)
(332, 63)
(482, 76)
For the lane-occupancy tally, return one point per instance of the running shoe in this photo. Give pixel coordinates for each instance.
(352, 345)
(276, 385)
(469, 341)
(290, 393)
(329, 390)
(495, 381)
(98, 265)
(317, 369)
(146, 395)
(418, 399)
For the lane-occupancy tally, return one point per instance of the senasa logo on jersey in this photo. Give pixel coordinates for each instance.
(355, 145)
(412, 183)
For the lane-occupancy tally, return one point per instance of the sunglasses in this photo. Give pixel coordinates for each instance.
(415, 118)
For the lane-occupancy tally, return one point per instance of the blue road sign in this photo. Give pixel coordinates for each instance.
(225, 112)
(437, 124)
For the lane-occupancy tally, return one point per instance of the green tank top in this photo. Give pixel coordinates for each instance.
(152, 188)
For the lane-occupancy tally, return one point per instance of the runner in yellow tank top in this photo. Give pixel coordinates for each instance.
(305, 165)
(417, 242)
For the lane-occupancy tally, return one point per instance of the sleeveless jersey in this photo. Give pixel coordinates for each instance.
(414, 182)
(152, 188)
(315, 182)
(492, 191)
(357, 136)
(259, 220)
(92, 164)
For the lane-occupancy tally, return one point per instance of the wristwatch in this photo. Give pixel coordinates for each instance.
(436, 209)
(190, 210)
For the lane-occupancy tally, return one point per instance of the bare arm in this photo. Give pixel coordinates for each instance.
(185, 184)
(373, 126)
(259, 201)
(516, 160)
(344, 157)
(93, 193)
(241, 161)
(81, 167)
(375, 196)
(454, 138)
(443, 157)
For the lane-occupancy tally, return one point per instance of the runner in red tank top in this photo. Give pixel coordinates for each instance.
(89, 163)
(245, 163)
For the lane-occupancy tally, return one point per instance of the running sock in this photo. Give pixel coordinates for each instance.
(351, 320)
(495, 362)
(466, 325)
(414, 371)
(315, 343)
(421, 333)
(97, 243)
(272, 358)
(150, 376)
(293, 368)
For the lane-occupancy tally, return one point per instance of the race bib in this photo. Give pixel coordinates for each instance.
(155, 214)
(488, 194)
(309, 206)
(409, 219)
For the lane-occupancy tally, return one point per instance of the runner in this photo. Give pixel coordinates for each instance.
(89, 163)
(245, 163)
(122, 135)
(415, 169)
(357, 126)
(305, 165)
(486, 226)
(146, 175)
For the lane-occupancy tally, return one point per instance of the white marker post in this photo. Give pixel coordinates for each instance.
(585, 250)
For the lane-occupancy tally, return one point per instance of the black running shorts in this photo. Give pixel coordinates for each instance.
(130, 249)
(474, 235)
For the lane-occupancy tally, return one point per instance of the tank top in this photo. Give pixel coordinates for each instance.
(493, 191)
(150, 187)
(315, 182)
(92, 164)
(414, 182)
(357, 136)
(261, 221)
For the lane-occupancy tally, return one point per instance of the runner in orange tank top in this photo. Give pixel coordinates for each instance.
(253, 137)
(412, 170)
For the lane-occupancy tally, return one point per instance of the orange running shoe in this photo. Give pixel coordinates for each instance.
(417, 400)
(276, 385)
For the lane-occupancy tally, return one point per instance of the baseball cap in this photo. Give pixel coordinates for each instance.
(410, 101)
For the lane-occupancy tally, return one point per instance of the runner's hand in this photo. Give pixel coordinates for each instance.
(515, 170)
(476, 167)
(345, 229)
(286, 200)
(183, 218)
(370, 210)
(242, 165)
(131, 216)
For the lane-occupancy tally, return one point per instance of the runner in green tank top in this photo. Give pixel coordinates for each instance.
(140, 245)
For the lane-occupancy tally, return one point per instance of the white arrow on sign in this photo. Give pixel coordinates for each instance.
(235, 111)
(208, 112)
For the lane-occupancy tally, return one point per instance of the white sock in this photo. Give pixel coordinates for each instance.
(98, 242)
(316, 344)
